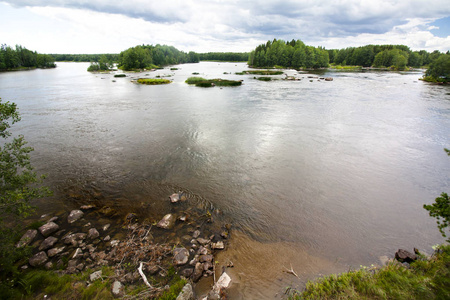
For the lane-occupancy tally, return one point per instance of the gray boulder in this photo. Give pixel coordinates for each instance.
(405, 256)
(93, 234)
(38, 259)
(74, 216)
(54, 251)
(96, 275)
(180, 256)
(48, 228)
(48, 243)
(27, 238)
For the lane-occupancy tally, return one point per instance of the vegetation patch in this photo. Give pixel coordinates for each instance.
(424, 279)
(202, 82)
(120, 75)
(263, 78)
(153, 81)
(173, 69)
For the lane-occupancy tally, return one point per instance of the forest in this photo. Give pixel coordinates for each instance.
(224, 56)
(22, 58)
(149, 56)
(295, 54)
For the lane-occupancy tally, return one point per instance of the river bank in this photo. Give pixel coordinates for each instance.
(130, 255)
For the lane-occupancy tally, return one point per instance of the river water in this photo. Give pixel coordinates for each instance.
(314, 175)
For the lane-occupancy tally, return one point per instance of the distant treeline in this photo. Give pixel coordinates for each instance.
(149, 56)
(397, 56)
(84, 57)
(295, 54)
(13, 59)
(224, 56)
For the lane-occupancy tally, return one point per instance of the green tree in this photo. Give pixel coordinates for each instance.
(439, 69)
(18, 185)
(440, 210)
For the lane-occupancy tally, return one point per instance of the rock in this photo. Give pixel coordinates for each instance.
(106, 227)
(54, 219)
(27, 238)
(114, 243)
(223, 283)
(48, 243)
(202, 241)
(86, 207)
(198, 272)
(405, 256)
(180, 256)
(207, 265)
(107, 238)
(96, 275)
(107, 211)
(93, 234)
(180, 196)
(74, 238)
(74, 216)
(117, 289)
(80, 267)
(329, 79)
(54, 251)
(48, 228)
(48, 265)
(196, 234)
(186, 293)
(77, 254)
(187, 272)
(38, 259)
(206, 258)
(167, 222)
(219, 245)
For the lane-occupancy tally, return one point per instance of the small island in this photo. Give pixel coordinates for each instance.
(202, 82)
(153, 81)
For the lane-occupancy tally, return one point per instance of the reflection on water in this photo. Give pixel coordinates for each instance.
(336, 172)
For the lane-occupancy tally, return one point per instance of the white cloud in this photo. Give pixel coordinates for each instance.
(112, 26)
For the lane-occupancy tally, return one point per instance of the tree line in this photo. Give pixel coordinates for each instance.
(224, 56)
(21, 57)
(149, 56)
(84, 57)
(293, 54)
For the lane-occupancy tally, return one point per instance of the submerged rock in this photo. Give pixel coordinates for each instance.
(27, 238)
(167, 222)
(48, 228)
(180, 196)
(74, 216)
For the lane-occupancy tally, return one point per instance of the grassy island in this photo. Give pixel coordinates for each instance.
(153, 81)
(202, 82)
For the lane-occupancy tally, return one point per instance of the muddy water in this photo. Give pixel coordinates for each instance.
(319, 175)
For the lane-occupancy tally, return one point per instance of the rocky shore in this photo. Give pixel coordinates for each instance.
(139, 253)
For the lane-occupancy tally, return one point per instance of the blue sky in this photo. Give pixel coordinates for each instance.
(110, 26)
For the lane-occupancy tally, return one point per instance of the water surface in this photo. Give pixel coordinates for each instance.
(321, 175)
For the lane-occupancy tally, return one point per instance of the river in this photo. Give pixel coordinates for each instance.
(320, 176)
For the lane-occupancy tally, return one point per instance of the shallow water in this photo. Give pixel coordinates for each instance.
(321, 175)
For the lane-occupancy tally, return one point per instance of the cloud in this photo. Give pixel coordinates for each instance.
(233, 25)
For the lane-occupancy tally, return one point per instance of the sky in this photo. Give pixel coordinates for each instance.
(111, 26)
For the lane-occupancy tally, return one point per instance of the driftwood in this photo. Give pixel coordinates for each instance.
(143, 276)
(291, 271)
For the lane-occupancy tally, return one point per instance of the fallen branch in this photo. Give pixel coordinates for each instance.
(143, 276)
(291, 271)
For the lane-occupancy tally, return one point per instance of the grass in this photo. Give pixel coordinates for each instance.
(263, 78)
(173, 69)
(202, 82)
(260, 72)
(434, 80)
(339, 67)
(120, 75)
(425, 279)
(153, 81)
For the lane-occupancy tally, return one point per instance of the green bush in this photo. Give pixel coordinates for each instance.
(152, 81)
